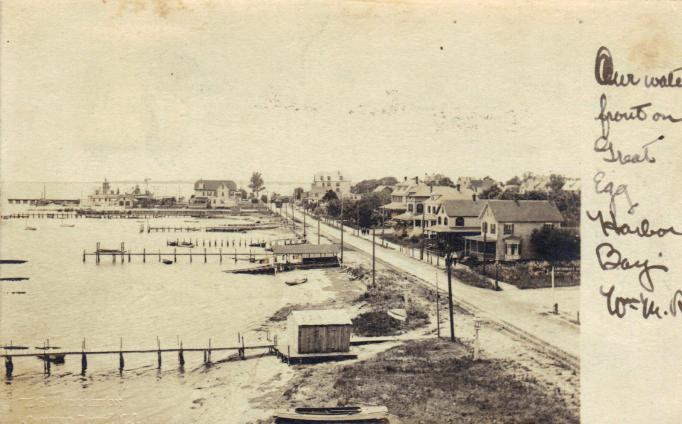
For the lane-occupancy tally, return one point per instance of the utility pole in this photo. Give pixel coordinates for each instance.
(304, 232)
(374, 256)
(448, 263)
(318, 230)
(421, 254)
(437, 306)
(341, 228)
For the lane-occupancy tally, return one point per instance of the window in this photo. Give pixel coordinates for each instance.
(445, 221)
(338, 185)
(428, 209)
(548, 225)
(459, 221)
(508, 229)
(439, 221)
(484, 227)
(493, 228)
(410, 207)
(420, 208)
(329, 178)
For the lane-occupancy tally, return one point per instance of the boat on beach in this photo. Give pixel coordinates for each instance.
(339, 414)
(68, 225)
(296, 281)
(30, 228)
(12, 261)
(13, 278)
(262, 269)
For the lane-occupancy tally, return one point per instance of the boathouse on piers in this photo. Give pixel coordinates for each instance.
(306, 255)
(319, 334)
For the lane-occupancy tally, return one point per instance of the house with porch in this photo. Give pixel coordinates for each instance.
(220, 193)
(506, 228)
(455, 219)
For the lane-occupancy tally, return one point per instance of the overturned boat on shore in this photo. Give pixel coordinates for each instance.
(338, 414)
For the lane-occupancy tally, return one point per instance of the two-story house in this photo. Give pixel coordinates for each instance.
(216, 193)
(456, 219)
(326, 181)
(506, 228)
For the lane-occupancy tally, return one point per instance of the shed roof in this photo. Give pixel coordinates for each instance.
(321, 317)
(304, 249)
(525, 211)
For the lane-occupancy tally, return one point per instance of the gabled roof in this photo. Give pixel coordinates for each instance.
(463, 207)
(214, 184)
(305, 249)
(381, 188)
(524, 211)
(321, 317)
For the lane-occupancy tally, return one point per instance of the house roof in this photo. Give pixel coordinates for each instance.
(381, 188)
(524, 211)
(406, 216)
(395, 206)
(305, 249)
(448, 229)
(463, 207)
(214, 184)
(321, 317)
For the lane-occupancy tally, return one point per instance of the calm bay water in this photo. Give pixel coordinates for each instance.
(67, 301)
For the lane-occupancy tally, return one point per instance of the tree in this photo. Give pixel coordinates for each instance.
(256, 183)
(243, 193)
(491, 193)
(330, 195)
(334, 207)
(264, 198)
(555, 244)
(515, 180)
(556, 182)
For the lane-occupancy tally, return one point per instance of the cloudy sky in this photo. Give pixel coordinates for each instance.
(180, 90)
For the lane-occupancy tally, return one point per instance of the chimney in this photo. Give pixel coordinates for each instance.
(458, 187)
(473, 197)
(416, 180)
(431, 188)
(405, 179)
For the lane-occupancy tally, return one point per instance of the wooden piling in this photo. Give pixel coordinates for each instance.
(221, 253)
(181, 357)
(158, 353)
(121, 363)
(84, 360)
(204, 255)
(144, 255)
(9, 366)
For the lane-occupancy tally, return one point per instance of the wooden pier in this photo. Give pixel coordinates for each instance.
(51, 356)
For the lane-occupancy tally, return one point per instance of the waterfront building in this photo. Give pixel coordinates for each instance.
(319, 331)
(325, 181)
(506, 228)
(218, 193)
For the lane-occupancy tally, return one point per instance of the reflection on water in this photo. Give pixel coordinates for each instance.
(68, 301)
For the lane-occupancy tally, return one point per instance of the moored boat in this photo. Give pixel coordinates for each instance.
(340, 414)
(167, 261)
(296, 281)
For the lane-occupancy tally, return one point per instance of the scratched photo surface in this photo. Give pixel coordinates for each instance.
(401, 212)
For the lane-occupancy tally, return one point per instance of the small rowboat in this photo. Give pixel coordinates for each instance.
(55, 358)
(167, 261)
(296, 282)
(341, 414)
(68, 225)
(30, 228)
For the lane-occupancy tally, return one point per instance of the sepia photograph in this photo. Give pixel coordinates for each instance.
(309, 212)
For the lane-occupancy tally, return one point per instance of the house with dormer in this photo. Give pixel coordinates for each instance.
(506, 227)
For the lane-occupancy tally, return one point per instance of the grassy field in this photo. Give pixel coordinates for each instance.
(434, 381)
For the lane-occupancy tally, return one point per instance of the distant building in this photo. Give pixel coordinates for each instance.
(540, 182)
(220, 193)
(477, 185)
(105, 196)
(506, 228)
(326, 181)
